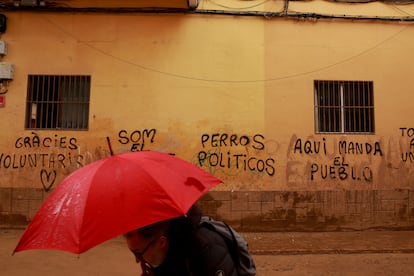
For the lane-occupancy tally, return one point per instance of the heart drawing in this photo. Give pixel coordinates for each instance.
(48, 179)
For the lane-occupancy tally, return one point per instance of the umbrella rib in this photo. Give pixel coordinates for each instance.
(162, 187)
(166, 192)
(85, 205)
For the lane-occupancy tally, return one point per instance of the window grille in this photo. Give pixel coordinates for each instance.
(58, 102)
(344, 106)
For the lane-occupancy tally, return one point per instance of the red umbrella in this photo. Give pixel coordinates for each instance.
(112, 196)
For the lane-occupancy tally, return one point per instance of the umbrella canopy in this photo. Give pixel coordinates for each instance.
(112, 196)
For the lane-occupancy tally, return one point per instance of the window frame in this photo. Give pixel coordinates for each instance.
(348, 107)
(58, 102)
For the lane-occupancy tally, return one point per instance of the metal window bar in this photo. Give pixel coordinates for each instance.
(357, 124)
(343, 106)
(48, 102)
(367, 107)
(54, 108)
(341, 92)
(333, 109)
(316, 107)
(353, 106)
(57, 102)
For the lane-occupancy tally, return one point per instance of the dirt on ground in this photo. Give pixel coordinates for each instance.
(113, 258)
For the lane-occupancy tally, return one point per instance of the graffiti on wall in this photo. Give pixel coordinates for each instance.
(310, 160)
(137, 139)
(336, 165)
(234, 153)
(30, 154)
(407, 155)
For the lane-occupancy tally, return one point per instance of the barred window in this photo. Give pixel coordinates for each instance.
(344, 106)
(57, 102)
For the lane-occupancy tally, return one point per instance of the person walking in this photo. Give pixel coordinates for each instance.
(178, 247)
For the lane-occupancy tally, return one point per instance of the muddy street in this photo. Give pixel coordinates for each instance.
(380, 253)
(336, 264)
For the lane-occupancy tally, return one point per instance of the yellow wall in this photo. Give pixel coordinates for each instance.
(340, 51)
(190, 76)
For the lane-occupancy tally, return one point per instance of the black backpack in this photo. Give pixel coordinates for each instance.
(238, 247)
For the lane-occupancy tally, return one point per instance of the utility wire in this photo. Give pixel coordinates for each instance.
(182, 76)
(402, 11)
(239, 8)
(269, 15)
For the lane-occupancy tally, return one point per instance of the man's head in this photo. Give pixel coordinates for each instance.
(150, 243)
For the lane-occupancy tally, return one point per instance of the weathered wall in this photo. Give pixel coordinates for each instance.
(335, 210)
(233, 95)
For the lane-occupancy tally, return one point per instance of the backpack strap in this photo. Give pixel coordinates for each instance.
(230, 238)
(236, 257)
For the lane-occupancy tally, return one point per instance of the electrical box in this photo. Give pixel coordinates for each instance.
(6, 71)
(3, 48)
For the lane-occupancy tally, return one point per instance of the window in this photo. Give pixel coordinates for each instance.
(344, 106)
(57, 102)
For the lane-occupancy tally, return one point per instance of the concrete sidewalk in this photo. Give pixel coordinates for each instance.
(289, 243)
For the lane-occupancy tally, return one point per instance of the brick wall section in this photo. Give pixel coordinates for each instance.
(312, 210)
(266, 210)
(18, 206)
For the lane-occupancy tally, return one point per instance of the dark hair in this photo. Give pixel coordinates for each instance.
(177, 228)
(150, 231)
